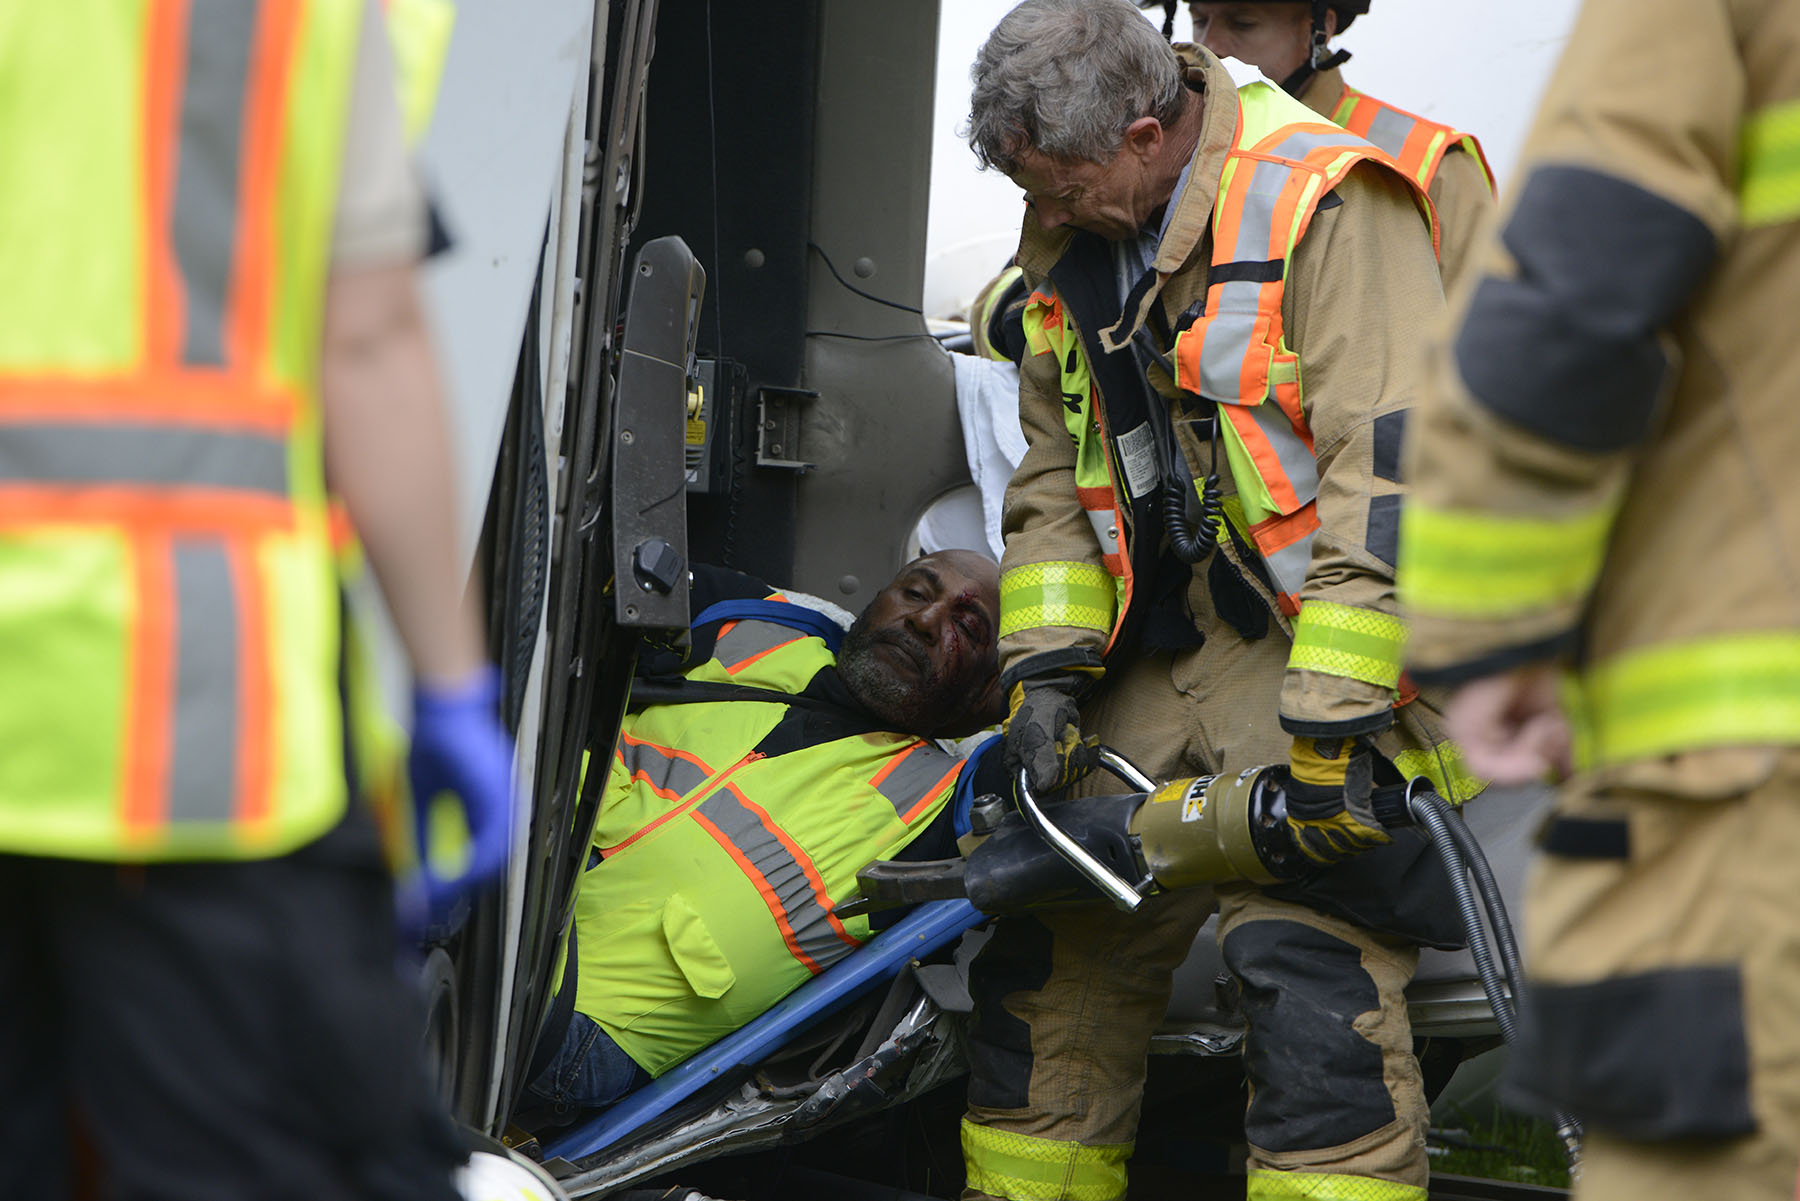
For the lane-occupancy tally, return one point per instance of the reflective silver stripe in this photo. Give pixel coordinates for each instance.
(1106, 529)
(220, 35)
(204, 738)
(1228, 337)
(142, 455)
(665, 771)
(1301, 144)
(757, 843)
(1256, 224)
(1297, 462)
(1289, 564)
(912, 779)
(1390, 129)
(748, 639)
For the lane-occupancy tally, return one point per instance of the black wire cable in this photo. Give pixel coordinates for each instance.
(832, 267)
(1190, 544)
(832, 333)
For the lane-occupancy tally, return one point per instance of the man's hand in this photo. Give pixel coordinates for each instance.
(460, 747)
(1043, 735)
(1328, 799)
(1511, 727)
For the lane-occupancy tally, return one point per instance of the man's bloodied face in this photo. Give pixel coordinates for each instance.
(921, 657)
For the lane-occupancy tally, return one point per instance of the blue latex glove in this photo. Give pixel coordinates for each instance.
(460, 747)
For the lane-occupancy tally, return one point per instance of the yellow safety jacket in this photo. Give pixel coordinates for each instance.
(722, 865)
(169, 631)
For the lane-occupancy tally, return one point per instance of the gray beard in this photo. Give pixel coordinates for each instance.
(901, 704)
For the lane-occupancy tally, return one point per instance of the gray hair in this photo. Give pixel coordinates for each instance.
(1065, 78)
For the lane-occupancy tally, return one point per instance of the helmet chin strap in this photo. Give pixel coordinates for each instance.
(1321, 57)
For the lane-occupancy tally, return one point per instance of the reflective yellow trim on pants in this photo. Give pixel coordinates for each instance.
(1443, 765)
(1022, 1168)
(1057, 594)
(1342, 640)
(1769, 185)
(1735, 690)
(1264, 1185)
(1469, 563)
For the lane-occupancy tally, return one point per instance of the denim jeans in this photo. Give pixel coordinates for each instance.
(589, 1070)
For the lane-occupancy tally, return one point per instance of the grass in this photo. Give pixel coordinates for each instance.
(1505, 1147)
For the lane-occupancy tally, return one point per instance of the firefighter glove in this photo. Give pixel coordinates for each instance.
(1328, 804)
(460, 748)
(1043, 735)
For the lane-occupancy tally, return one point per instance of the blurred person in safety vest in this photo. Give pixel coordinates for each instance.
(1289, 41)
(773, 760)
(209, 232)
(1198, 573)
(1601, 554)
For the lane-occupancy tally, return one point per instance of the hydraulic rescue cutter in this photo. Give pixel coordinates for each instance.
(1125, 848)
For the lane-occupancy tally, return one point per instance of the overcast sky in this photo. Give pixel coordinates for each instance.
(1471, 63)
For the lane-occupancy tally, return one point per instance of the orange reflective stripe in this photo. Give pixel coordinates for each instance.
(1355, 111)
(1280, 532)
(163, 303)
(170, 510)
(341, 530)
(763, 887)
(166, 393)
(1416, 157)
(912, 779)
(813, 879)
(251, 296)
(741, 664)
(752, 757)
(668, 772)
(1120, 564)
(144, 797)
(1263, 452)
(1416, 144)
(803, 910)
(1285, 544)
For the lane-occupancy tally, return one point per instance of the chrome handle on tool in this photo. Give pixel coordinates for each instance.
(1126, 770)
(1117, 889)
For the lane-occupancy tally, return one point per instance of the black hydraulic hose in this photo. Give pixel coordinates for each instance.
(1450, 852)
(1491, 898)
(1463, 858)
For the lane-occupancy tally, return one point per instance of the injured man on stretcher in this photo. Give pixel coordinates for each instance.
(758, 771)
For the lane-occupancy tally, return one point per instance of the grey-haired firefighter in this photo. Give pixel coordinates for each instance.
(1221, 348)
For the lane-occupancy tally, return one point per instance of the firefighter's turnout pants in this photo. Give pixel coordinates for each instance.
(1066, 1000)
(1663, 940)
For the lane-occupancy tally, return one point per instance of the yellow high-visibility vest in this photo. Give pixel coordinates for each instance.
(168, 604)
(1285, 160)
(1416, 144)
(724, 865)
